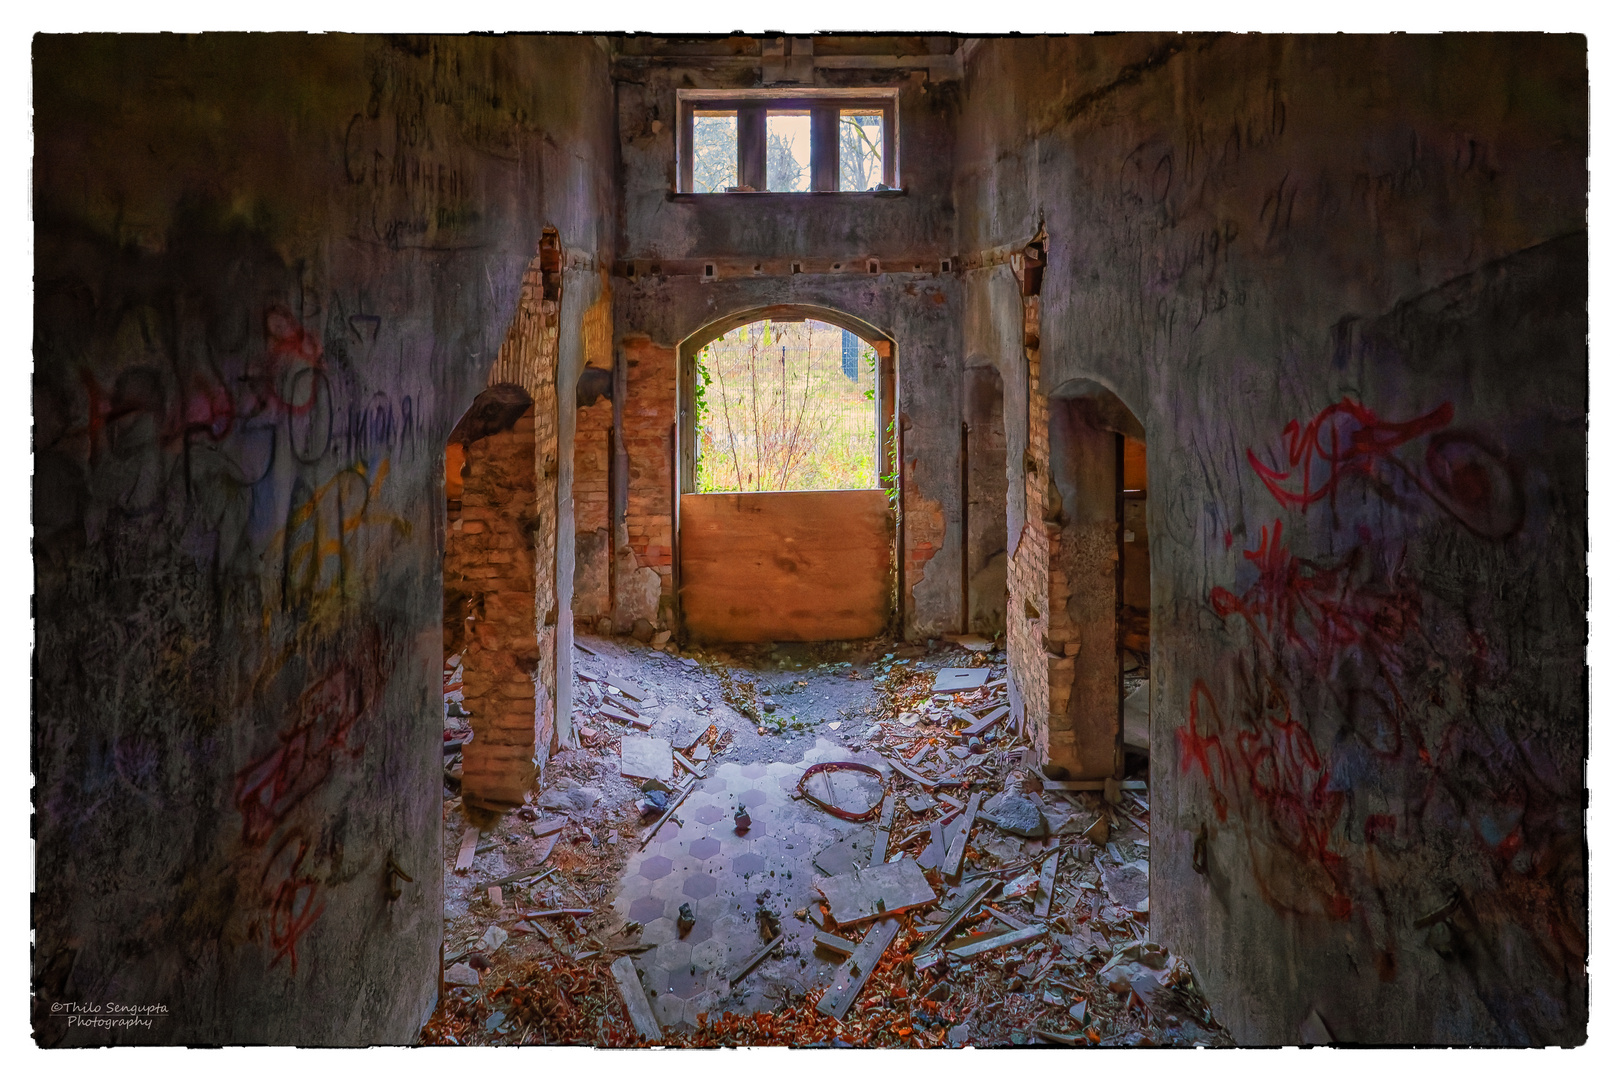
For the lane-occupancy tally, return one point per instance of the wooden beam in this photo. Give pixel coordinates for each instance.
(880, 844)
(853, 973)
(824, 147)
(751, 146)
(635, 999)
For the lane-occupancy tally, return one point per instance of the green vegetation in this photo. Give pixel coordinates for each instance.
(775, 411)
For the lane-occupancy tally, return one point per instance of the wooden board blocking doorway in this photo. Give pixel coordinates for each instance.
(785, 565)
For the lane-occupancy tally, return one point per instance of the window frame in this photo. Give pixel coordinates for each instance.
(825, 107)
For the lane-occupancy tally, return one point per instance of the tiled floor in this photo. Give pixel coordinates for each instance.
(704, 862)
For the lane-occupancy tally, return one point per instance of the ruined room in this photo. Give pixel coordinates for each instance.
(876, 540)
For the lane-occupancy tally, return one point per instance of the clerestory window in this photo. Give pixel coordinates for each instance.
(751, 141)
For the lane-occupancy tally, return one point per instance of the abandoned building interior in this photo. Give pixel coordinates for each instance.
(852, 539)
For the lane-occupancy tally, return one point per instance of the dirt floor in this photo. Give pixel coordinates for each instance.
(694, 903)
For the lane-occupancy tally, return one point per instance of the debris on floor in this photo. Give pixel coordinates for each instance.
(905, 879)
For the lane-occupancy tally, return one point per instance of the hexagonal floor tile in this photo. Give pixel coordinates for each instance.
(669, 831)
(747, 863)
(706, 848)
(647, 909)
(674, 955)
(702, 930)
(752, 797)
(714, 785)
(656, 867)
(709, 955)
(658, 932)
(700, 885)
(754, 771)
(683, 983)
(709, 815)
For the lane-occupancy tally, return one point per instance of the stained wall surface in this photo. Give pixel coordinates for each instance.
(1342, 283)
(789, 249)
(272, 272)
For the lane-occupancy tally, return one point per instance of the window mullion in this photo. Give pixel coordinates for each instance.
(751, 146)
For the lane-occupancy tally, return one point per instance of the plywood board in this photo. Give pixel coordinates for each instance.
(877, 890)
(785, 565)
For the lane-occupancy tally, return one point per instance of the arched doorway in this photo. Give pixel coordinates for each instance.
(786, 521)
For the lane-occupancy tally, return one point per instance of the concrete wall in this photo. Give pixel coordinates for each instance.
(273, 271)
(1341, 281)
(753, 242)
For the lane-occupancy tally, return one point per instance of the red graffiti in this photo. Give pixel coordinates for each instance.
(271, 786)
(1318, 612)
(293, 899)
(1470, 480)
(1344, 439)
(1269, 767)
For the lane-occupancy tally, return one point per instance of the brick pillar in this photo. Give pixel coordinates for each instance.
(490, 561)
(645, 585)
(593, 525)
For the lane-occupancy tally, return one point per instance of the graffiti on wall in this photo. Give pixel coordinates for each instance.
(234, 449)
(1359, 726)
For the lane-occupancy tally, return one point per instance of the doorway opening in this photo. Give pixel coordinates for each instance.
(1098, 587)
(786, 512)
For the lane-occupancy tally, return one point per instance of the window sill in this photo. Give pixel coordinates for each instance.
(704, 196)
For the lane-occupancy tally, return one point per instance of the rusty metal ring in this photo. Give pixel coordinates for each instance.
(839, 811)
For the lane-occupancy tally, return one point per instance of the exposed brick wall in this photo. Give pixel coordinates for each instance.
(593, 548)
(490, 562)
(648, 413)
(1029, 665)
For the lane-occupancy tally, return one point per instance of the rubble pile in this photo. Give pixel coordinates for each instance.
(1010, 909)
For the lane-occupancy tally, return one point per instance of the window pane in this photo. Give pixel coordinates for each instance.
(860, 151)
(787, 151)
(714, 151)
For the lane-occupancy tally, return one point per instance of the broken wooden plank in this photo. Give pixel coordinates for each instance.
(880, 843)
(877, 890)
(469, 847)
(1092, 785)
(684, 762)
(622, 705)
(908, 773)
(753, 961)
(618, 714)
(680, 794)
(987, 721)
(545, 852)
(1043, 893)
(834, 943)
(548, 826)
(579, 911)
(996, 913)
(852, 973)
(635, 999)
(935, 851)
(627, 689)
(975, 946)
(587, 651)
(952, 866)
(920, 754)
(957, 914)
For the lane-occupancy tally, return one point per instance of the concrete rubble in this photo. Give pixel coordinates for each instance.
(729, 936)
